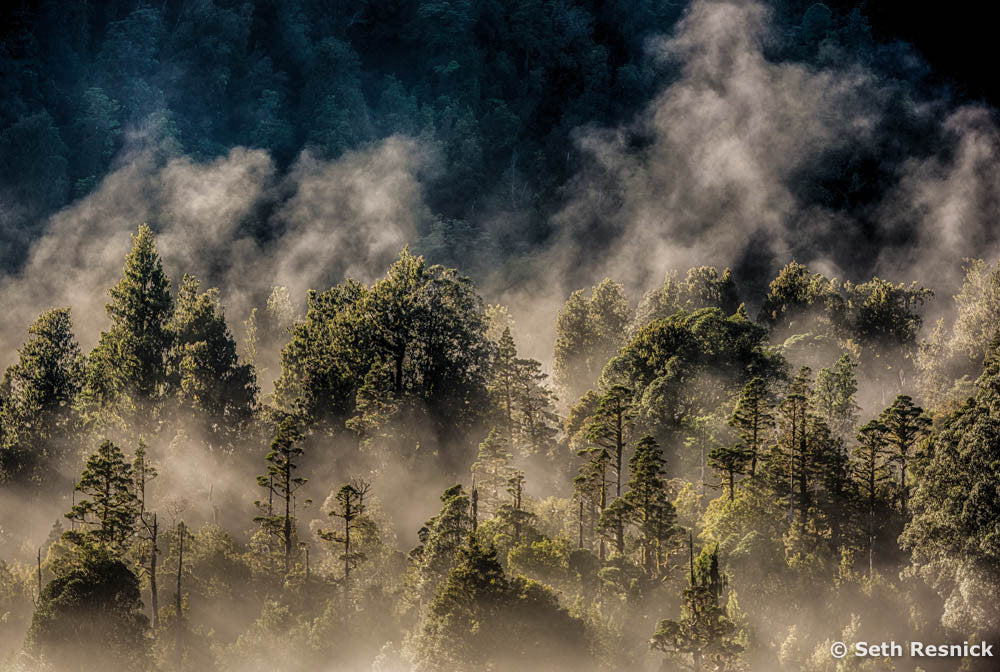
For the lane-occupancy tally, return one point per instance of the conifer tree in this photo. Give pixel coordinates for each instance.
(109, 514)
(648, 501)
(753, 419)
(440, 539)
(505, 380)
(871, 472)
(36, 405)
(536, 421)
(129, 364)
(905, 425)
(281, 481)
(491, 470)
(834, 396)
(350, 508)
(730, 462)
(704, 636)
(204, 368)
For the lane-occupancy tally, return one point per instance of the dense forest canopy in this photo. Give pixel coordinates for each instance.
(444, 335)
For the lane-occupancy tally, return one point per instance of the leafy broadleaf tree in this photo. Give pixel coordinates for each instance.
(480, 619)
(589, 332)
(90, 619)
(955, 507)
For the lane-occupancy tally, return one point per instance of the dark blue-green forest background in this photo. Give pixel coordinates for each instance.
(498, 86)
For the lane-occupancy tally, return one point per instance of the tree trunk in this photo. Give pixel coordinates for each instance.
(180, 613)
(287, 531)
(154, 597)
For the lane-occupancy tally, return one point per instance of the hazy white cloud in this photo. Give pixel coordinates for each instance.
(346, 217)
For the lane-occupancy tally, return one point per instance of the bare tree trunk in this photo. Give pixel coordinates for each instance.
(180, 614)
(154, 594)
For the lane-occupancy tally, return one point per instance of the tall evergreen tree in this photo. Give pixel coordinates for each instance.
(834, 396)
(491, 470)
(108, 517)
(753, 419)
(704, 638)
(127, 371)
(650, 508)
(204, 368)
(871, 472)
(36, 406)
(905, 425)
(350, 508)
(281, 481)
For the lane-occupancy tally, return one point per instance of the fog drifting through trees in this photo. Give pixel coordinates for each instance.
(635, 337)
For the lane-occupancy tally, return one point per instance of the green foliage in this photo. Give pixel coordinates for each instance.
(108, 518)
(953, 533)
(37, 402)
(440, 539)
(90, 618)
(588, 333)
(703, 287)
(127, 371)
(281, 482)
(704, 636)
(481, 619)
(648, 506)
(203, 365)
(404, 362)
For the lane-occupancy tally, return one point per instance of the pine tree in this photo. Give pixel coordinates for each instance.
(513, 514)
(491, 470)
(350, 508)
(905, 425)
(535, 418)
(440, 539)
(834, 396)
(204, 368)
(504, 380)
(871, 472)
(799, 451)
(650, 508)
(590, 487)
(704, 637)
(36, 405)
(108, 517)
(281, 481)
(753, 419)
(730, 462)
(129, 364)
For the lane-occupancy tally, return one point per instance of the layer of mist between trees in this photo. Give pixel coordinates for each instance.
(505, 93)
(695, 488)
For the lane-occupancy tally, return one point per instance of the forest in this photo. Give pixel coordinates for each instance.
(694, 488)
(454, 335)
